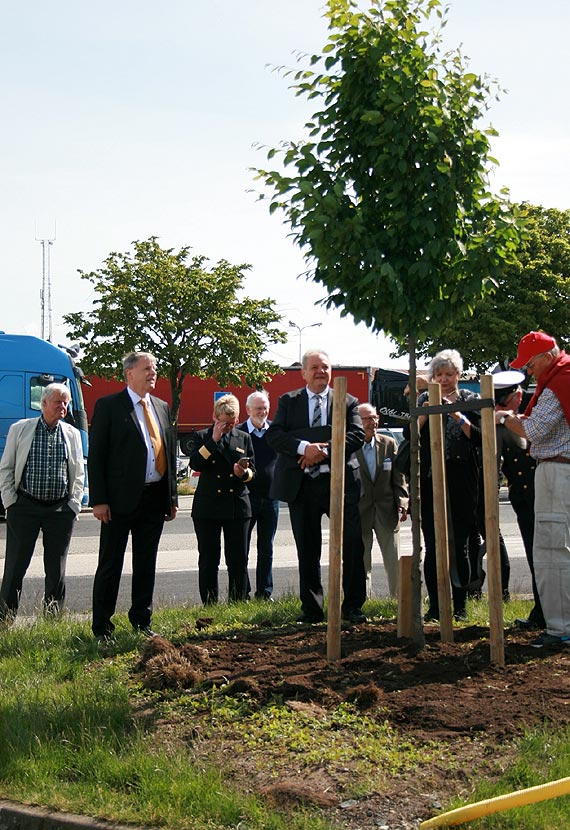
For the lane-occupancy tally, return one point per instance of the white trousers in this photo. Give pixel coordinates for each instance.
(551, 550)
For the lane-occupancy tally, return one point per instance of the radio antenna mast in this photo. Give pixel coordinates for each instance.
(45, 293)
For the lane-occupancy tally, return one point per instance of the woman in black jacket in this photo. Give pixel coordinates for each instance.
(462, 435)
(223, 456)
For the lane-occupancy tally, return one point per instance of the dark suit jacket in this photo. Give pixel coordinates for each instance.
(220, 494)
(117, 454)
(265, 459)
(291, 425)
(387, 491)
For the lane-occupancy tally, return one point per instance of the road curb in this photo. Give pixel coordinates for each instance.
(14, 816)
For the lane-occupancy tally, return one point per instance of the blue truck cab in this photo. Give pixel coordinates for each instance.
(27, 365)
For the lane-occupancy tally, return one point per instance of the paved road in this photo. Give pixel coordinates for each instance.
(177, 577)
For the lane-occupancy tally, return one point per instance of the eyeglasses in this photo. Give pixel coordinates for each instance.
(370, 418)
(533, 360)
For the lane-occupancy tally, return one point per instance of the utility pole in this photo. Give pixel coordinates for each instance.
(45, 293)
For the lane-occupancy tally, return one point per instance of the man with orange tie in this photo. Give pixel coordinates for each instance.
(132, 486)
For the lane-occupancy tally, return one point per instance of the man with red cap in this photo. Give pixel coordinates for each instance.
(546, 426)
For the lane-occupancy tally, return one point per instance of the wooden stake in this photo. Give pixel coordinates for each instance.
(336, 519)
(405, 619)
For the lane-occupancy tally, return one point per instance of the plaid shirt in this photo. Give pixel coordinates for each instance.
(547, 429)
(45, 475)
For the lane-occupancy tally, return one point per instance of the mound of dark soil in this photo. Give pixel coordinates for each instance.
(448, 692)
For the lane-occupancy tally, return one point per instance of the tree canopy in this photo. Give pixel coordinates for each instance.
(533, 293)
(389, 196)
(192, 317)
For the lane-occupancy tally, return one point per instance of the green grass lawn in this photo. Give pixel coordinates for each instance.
(78, 732)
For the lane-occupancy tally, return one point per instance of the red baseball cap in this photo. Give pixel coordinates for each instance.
(533, 343)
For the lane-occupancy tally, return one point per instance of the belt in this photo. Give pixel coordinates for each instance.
(44, 502)
(558, 459)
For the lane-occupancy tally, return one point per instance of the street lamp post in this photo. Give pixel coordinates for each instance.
(301, 329)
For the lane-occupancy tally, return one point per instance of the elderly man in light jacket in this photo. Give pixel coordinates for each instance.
(384, 501)
(41, 482)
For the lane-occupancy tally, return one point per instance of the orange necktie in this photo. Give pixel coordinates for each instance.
(155, 437)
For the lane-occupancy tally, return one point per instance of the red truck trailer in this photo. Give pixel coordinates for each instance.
(198, 394)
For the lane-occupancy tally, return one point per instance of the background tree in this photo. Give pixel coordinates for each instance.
(388, 196)
(532, 294)
(191, 317)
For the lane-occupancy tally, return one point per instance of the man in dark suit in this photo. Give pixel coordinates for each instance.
(300, 433)
(384, 502)
(223, 455)
(264, 509)
(132, 486)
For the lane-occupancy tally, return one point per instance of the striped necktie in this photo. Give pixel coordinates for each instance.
(316, 422)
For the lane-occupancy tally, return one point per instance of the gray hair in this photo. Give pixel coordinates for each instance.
(259, 393)
(131, 359)
(367, 407)
(448, 359)
(51, 389)
(310, 352)
(226, 405)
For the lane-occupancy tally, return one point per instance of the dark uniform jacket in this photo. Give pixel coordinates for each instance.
(221, 494)
(117, 454)
(518, 467)
(291, 425)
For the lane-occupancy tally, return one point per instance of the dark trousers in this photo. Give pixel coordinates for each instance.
(24, 520)
(477, 550)
(306, 512)
(264, 517)
(209, 538)
(461, 514)
(145, 526)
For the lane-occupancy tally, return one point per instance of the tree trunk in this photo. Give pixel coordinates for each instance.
(176, 383)
(415, 505)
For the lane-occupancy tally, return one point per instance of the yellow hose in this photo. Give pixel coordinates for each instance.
(532, 795)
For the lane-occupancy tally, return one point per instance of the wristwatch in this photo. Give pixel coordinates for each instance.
(503, 419)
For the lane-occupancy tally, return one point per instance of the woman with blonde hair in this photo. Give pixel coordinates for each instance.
(223, 456)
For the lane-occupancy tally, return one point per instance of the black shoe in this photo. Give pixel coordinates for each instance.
(506, 595)
(460, 615)
(431, 616)
(528, 625)
(354, 616)
(147, 631)
(105, 639)
(309, 619)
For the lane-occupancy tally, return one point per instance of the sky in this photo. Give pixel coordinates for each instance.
(126, 119)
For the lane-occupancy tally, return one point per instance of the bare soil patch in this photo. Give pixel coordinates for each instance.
(446, 692)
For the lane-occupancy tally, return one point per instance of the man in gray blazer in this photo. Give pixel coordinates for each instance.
(41, 481)
(384, 501)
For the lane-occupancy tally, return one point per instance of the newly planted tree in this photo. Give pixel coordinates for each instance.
(388, 195)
